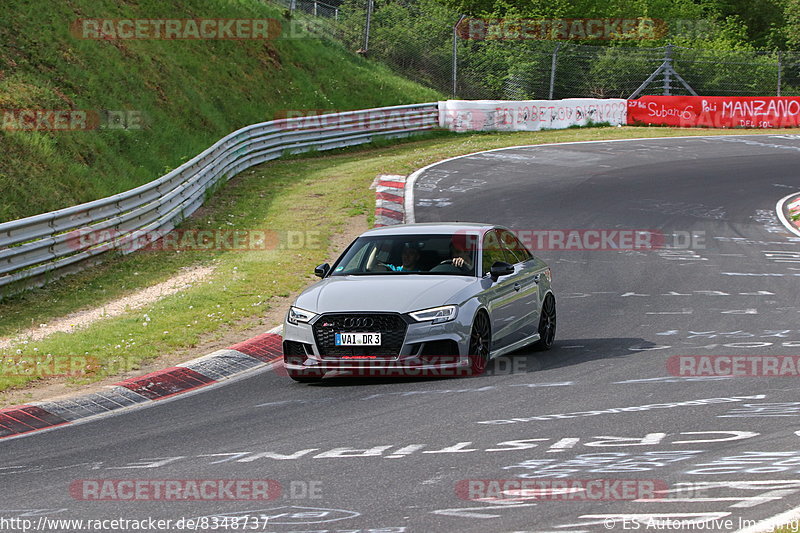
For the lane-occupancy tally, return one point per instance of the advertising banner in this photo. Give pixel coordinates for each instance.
(715, 111)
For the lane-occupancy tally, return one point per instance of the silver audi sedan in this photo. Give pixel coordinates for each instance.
(421, 300)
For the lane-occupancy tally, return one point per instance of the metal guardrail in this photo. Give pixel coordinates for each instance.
(43, 247)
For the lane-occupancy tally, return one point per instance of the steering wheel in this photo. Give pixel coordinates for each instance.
(381, 264)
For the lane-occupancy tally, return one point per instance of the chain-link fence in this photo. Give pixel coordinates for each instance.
(420, 40)
(547, 70)
(553, 70)
(312, 7)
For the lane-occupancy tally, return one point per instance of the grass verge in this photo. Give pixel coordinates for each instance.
(313, 197)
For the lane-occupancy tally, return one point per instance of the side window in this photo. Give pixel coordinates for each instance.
(512, 244)
(492, 251)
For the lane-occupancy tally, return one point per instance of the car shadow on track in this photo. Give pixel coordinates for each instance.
(564, 353)
(568, 352)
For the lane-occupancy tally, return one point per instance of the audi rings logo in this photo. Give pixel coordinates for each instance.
(358, 322)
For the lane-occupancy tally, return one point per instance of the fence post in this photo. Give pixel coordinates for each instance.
(336, 14)
(366, 26)
(455, 54)
(292, 6)
(668, 69)
(779, 72)
(553, 71)
(315, 8)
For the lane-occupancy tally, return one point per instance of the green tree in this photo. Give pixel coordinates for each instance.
(791, 29)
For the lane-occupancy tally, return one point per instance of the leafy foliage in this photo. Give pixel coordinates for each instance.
(723, 47)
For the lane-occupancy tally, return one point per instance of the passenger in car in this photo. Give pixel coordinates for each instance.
(410, 259)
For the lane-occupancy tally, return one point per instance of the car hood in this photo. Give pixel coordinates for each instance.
(399, 293)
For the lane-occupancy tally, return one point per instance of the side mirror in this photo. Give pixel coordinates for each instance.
(501, 268)
(322, 270)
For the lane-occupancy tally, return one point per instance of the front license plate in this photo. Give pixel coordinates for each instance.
(358, 339)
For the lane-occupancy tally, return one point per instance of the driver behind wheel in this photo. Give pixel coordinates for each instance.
(462, 259)
(461, 254)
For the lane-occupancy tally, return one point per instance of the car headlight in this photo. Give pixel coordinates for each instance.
(297, 315)
(437, 315)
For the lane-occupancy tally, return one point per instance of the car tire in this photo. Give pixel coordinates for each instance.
(480, 341)
(547, 324)
(305, 376)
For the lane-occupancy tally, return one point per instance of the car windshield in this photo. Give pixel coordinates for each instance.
(452, 254)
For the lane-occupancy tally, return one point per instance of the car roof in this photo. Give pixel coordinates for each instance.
(435, 228)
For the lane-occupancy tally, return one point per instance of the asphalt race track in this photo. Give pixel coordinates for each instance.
(388, 456)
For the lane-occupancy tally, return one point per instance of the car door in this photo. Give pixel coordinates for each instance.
(527, 275)
(500, 295)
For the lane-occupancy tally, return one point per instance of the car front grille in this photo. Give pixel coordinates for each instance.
(391, 326)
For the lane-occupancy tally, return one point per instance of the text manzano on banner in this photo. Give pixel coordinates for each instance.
(716, 111)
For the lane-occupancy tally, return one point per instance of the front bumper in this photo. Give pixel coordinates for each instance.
(426, 350)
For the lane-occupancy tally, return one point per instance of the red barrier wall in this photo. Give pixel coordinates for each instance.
(715, 111)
